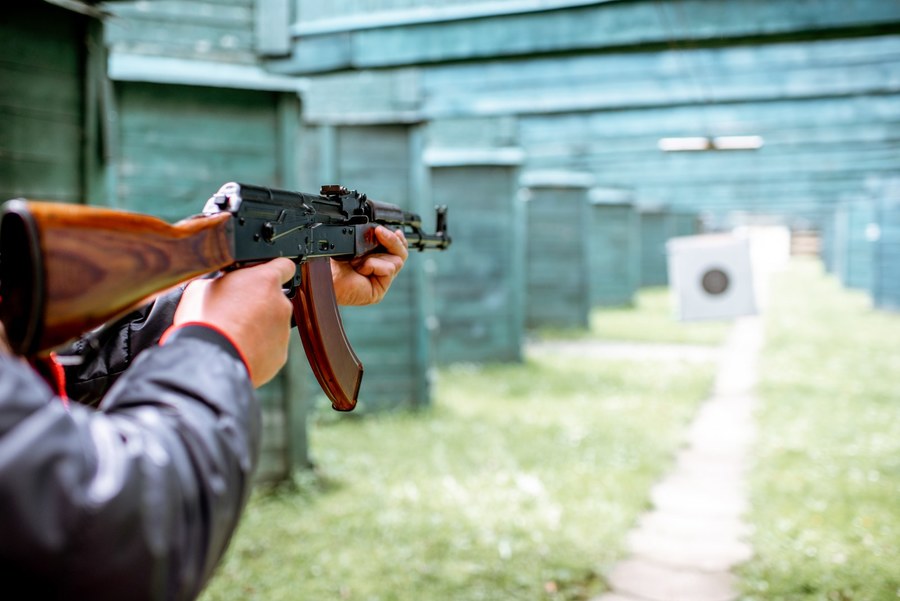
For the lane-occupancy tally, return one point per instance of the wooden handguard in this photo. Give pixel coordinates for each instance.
(66, 269)
(330, 355)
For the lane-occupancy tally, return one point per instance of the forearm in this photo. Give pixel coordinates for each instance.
(138, 500)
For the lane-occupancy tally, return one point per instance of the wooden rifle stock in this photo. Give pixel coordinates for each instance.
(67, 269)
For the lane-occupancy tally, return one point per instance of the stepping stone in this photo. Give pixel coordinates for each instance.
(687, 500)
(714, 552)
(653, 582)
(666, 523)
(616, 597)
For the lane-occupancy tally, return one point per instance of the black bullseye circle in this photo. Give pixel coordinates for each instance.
(715, 281)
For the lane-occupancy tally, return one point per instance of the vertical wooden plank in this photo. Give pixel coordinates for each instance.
(298, 391)
(95, 74)
(423, 310)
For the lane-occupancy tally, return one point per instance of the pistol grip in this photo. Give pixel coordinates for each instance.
(330, 355)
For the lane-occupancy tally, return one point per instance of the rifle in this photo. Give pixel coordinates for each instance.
(67, 269)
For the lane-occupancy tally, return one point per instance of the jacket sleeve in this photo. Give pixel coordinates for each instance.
(136, 500)
(95, 361)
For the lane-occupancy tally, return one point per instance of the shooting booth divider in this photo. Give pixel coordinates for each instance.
(479, 291)
(50, 80)
(658, 224)
(855, 234)
(613, 247)
(886, 268)
(391, 338)
(556, 255)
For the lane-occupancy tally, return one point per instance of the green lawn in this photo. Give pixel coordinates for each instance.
(826, 487)
(649, 320)
(522, 480)
(518, 484)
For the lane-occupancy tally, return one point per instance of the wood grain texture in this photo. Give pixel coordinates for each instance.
(100, 262)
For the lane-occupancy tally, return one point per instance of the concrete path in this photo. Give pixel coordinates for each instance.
(685, 548)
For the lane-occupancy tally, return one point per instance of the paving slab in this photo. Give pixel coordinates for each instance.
(616, 597)
(684, 500)
(654, 582)
(688, 527)
(711, 552)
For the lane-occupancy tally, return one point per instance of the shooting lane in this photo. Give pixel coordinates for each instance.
(181, 124)
(557, 266)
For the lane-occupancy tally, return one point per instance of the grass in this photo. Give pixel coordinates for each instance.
(649, 320)
(520, 483)
(522, 480)
(826, 487)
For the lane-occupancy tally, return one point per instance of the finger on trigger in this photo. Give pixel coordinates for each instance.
(285, 268)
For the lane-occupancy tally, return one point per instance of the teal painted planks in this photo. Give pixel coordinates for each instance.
(855, 227)
(178, 144)
(815, 152)
(218, 30)
(886, 266)
(657, 226)
(389, 337)
(604, 25)
(478, 283)
(556, 255)
(613, 247)
(42, 106)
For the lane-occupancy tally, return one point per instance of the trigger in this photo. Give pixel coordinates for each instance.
(290, 287)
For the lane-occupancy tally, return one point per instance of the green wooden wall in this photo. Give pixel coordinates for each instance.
(351, 34)
(208, 30)
(614, 238)
(43, 118)
(178, 144)
(815, 80)
(557, 272)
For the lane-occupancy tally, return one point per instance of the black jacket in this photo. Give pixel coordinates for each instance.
(136, 500)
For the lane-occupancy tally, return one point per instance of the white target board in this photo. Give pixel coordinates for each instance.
(711, 276)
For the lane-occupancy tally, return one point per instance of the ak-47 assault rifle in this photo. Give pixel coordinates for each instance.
(66, 269)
